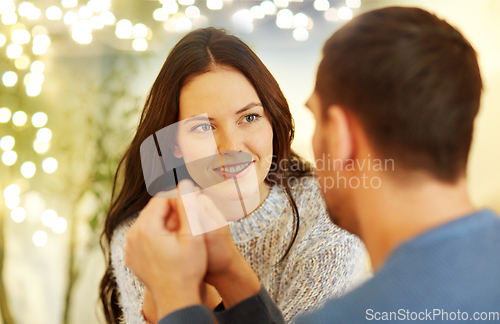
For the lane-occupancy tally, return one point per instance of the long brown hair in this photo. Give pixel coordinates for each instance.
(193, 55)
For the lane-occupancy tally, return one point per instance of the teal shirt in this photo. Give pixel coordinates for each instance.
(447, 273)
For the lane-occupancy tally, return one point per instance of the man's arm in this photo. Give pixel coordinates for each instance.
(257, 309)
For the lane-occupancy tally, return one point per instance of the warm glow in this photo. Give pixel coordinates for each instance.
(140, 30)
(44, 135)
(41, 147)
(5, 115)
(14, 51)
(39, 119)
(345, 13)
(48, 217)
(53, 13)
(21, 36)
(19, 118)
(7, 143)
(28, 169)
(140, 44)
(59, 225)
(300, 34)
(18, 214)
(214, 4)
(39, 238)
(321, 5)
(9, 78)
(22, 62)
(9, 158)
(49, 165)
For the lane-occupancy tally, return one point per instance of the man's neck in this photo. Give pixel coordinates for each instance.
(398, 212)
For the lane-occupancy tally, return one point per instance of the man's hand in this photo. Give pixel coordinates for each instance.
(227, 270)
(164, 255)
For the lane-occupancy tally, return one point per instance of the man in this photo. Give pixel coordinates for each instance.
(396, 95)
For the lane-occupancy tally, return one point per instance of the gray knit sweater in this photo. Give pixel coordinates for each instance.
(323, 263)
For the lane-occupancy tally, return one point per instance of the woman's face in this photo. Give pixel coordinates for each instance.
(233, 140)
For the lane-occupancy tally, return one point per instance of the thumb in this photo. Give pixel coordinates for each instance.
(188, 208)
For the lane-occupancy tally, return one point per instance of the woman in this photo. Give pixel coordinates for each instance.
(299, 256)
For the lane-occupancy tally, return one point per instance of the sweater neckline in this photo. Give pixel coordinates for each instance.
(260, 219)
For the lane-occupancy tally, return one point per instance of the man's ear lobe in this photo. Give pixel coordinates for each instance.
(339, 121)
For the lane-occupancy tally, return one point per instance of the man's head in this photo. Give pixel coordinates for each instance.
(395, 84)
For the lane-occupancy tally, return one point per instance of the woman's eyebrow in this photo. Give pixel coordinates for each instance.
(249, 106)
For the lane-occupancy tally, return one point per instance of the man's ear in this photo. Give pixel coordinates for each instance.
(340, 132)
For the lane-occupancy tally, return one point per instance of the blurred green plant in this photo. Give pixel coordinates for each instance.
(109, 129)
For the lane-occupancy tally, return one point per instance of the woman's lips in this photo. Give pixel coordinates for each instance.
(234, 170)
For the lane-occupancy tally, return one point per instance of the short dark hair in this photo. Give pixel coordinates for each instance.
(413, 82)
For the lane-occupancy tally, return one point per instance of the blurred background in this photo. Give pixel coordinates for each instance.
(74, 76)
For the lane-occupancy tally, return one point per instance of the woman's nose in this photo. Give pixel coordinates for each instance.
(229, 141)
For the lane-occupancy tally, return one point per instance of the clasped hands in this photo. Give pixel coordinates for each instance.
(179, 269)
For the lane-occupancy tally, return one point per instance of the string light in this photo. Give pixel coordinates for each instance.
(300, 34)
(214, 4)
(183, 24)
(19, 118)
(3, 40)
(170, 6)
(22, 62)
(353, 3)
(69, 3)
(59, 225)
(9, 18)
(21, 36)
(345, 13)
(44, 135)
(18, 214)
(70, 17)
(257, 12)
(107, 18)
(160, 14)
(242, 21)
(140, 44)
(192, 12)
(28, 169)
(186, 2)
(321, 5)
(39, 119)
(284, 18)
(9, 158)
(49, 165)
(39, 238)
(123, 29)
(268, 7)
(5, 115)
(41, 147)
(300, 20)
(9, 78)
(7, 143)
(14, 51)
(48, 217)
(139, 30)
(53, 13)
(281, 3)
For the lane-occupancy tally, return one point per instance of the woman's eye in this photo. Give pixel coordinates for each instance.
(203, 128)
(250, 118)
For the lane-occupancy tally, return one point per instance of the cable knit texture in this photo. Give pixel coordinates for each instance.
(324, 262)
